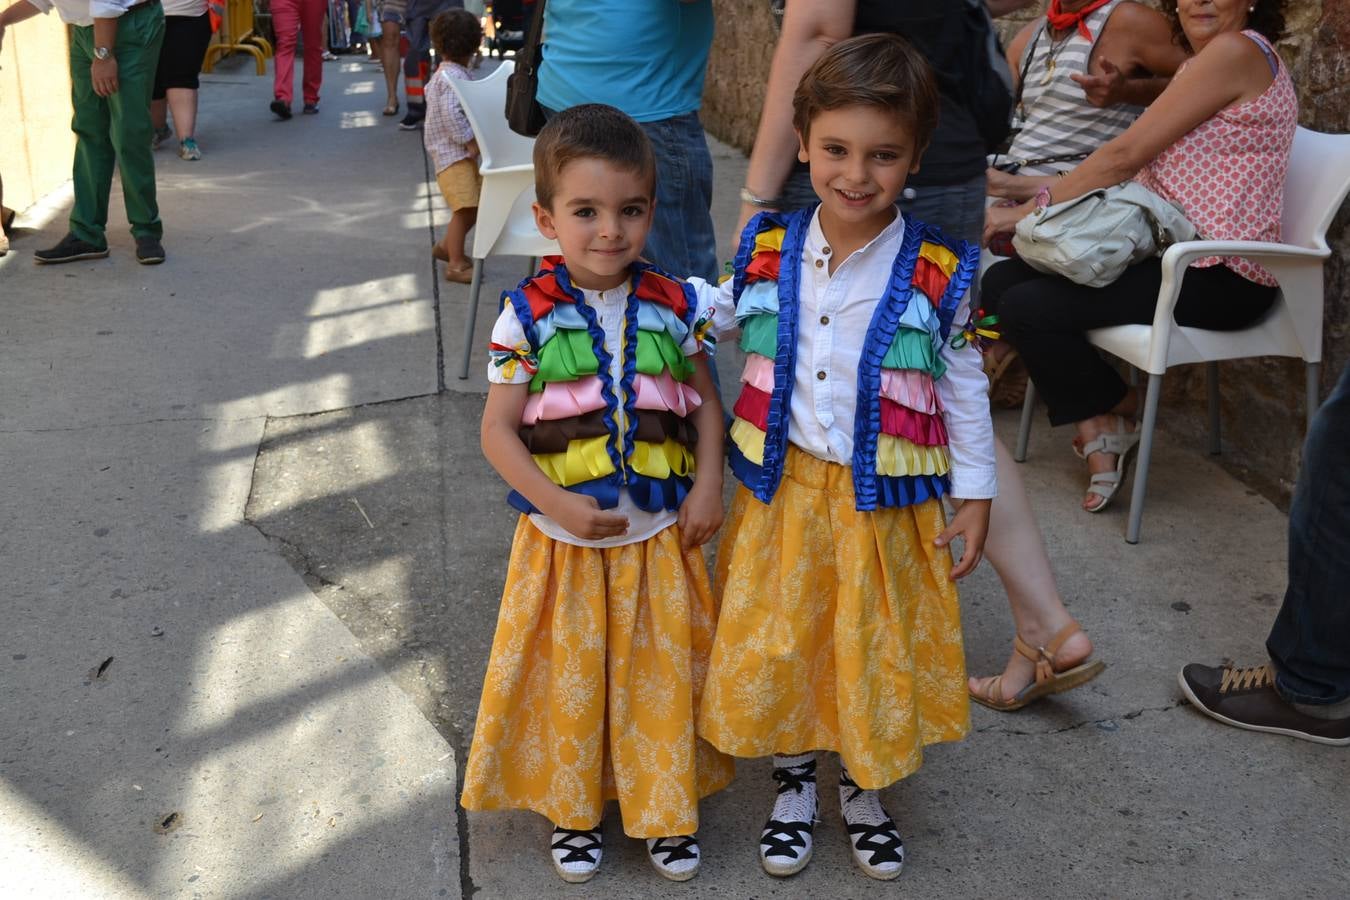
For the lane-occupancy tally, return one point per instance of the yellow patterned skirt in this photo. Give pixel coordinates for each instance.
(839, 630)
(595, 676)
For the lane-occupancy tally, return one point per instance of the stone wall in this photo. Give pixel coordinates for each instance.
(36, 143)
(1262, 399)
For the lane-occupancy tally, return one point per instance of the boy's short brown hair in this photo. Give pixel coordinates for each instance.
(456, 34)
(881, 70)
(590, 131)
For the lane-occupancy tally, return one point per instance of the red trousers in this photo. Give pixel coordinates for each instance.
(289, 18)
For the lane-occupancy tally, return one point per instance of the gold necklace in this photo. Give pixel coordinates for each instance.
(1056, 48)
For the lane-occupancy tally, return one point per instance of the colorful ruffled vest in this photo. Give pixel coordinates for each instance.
(899, 439)
(571, 424)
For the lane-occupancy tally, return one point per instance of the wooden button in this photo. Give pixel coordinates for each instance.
(825, 250)
(824, 320)
(820, 376)
(820, 263)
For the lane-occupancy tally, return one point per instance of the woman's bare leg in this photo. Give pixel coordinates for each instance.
(183, 103)
(389, 60)
(1016, 551)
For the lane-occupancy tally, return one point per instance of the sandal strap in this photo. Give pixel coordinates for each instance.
(795, 778)
(1044, 657)
(591, 841)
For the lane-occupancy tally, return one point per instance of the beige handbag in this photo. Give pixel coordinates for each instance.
(1091, 239)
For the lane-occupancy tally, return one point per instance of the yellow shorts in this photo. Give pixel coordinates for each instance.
(460, 183)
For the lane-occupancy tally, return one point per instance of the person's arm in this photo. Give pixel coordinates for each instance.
(103, 72)
(964, 392)
(1137, 59)
(810, 27)
(17, 12)
(1229, 70)
(701, 512)
(500, 439)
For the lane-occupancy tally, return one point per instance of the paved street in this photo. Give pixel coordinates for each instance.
(254, 554)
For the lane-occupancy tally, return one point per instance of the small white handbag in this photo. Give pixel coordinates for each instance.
(1091, 239)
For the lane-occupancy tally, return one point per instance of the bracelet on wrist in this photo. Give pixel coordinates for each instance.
(750, 197)
(1043, 198)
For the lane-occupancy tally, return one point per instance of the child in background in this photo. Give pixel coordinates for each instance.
(456, 34)
(600, 406)
(861, 408)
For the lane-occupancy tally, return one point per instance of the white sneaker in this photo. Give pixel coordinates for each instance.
(785, 844)
(576, 854)
(877, 847)
(676, 858)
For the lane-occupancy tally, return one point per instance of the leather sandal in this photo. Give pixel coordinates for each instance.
(1047, 680)
(390, 110)
(1123, 443)
(459, 276)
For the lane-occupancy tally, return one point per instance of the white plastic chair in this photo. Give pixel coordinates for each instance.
(505, 221)
(1318, 180)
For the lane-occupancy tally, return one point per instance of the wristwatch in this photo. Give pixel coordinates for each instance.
(102, 53)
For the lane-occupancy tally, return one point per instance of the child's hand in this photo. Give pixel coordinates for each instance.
(472, 146)
(582, 516)
(700, 513)
(972, 523)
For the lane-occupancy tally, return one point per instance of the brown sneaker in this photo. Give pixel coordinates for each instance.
(1246, 698)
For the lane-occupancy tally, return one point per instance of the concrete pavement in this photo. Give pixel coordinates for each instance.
(235, 477)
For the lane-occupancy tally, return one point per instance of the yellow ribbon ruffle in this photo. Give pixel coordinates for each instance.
(749, 440)
(939, 256)
(587, 459)
(898, 456)
(661, 460)
(772, 239)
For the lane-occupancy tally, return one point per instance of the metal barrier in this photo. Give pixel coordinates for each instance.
(237, 34)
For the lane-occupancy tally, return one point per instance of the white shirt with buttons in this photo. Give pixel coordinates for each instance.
(835, 311)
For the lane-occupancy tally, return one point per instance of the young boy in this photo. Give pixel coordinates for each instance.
(449, 140)
(600, 407)
(839, 627)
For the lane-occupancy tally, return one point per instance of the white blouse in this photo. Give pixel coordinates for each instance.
(835, 312)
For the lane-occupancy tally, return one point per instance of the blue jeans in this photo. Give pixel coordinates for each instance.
(1310, 642)
(681, 241)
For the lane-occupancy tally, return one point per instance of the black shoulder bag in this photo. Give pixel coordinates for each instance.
(524, 115)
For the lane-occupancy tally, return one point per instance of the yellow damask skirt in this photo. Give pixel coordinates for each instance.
(596, 672)
(839, 629)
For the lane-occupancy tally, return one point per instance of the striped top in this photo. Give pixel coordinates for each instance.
(1055, 116)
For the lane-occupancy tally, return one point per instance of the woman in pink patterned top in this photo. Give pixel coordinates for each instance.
(1216, 143)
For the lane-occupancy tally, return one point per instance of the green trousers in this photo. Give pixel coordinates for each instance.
(116, 129)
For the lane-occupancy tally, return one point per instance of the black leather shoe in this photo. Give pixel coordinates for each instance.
(149, 251)
(280, 109)
(70, 249)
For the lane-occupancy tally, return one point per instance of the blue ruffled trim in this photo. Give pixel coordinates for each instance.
(785, 361)
(657, 317)
(604, 490)
(744, 471)
(657, 494)
(524, 314)
(894, 491)
(880, 334)
(746, 248)
(605, 359)
(630, 318)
